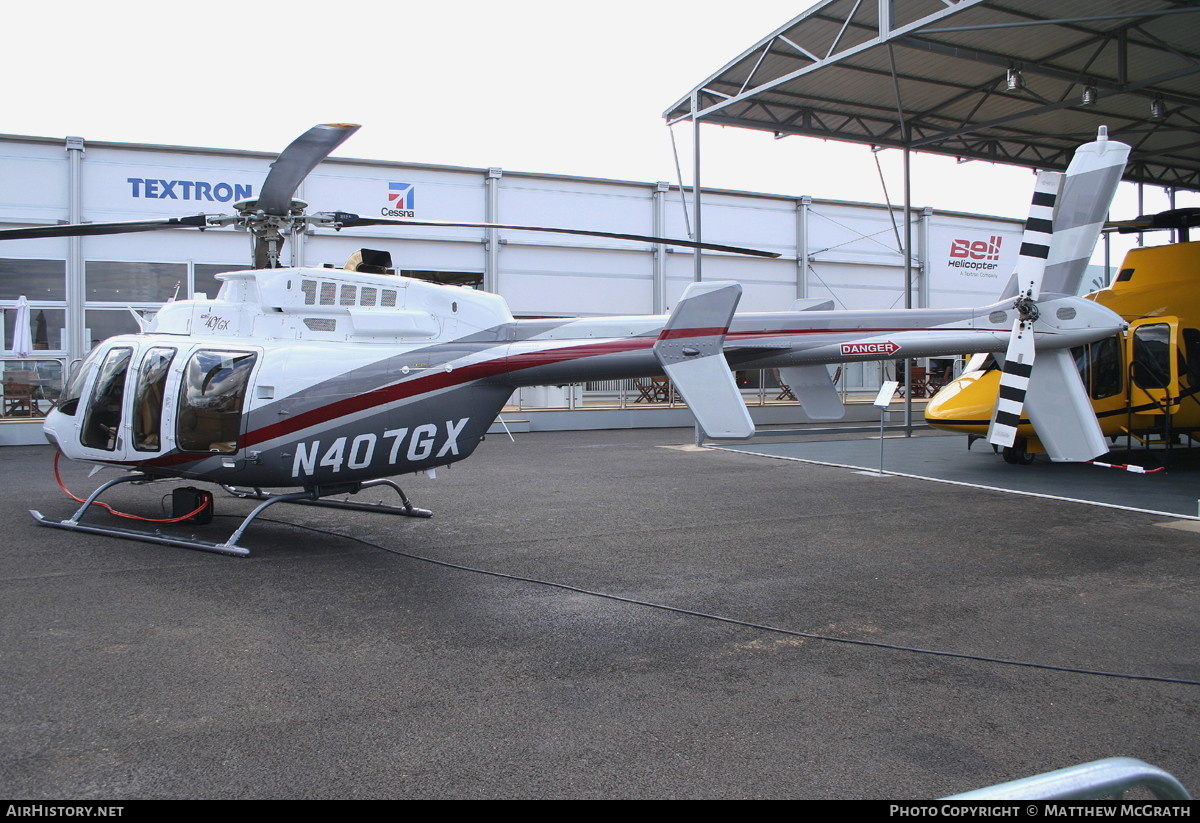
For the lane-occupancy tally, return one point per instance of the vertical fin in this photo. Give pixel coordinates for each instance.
(814, 389)
(691, 350)
(1061, 411)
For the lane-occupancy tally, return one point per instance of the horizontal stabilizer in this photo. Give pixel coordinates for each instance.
(813, 387)
(690, 350)
(1060, 410)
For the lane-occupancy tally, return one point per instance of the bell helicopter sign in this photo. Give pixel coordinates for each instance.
(886, 347)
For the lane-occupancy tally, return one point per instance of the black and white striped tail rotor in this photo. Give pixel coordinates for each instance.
(1031, 265)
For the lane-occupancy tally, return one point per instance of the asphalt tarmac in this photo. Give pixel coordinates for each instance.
(610, 614)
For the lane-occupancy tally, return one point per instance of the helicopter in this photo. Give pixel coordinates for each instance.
(1143, 383)
(323, 382)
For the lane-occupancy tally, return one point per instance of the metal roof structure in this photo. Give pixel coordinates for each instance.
(1010, 81)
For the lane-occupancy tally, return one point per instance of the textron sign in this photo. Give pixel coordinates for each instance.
(188, 190)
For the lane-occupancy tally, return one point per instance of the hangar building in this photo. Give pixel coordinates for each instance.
(82, 290)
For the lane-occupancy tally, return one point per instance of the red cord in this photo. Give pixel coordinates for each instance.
(111, 510)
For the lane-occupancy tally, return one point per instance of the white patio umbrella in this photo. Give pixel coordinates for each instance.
(22, 335)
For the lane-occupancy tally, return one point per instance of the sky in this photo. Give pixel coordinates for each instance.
(526, 85)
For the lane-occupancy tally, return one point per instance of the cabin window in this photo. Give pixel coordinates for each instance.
(102, 423)
(1152, 356)
(1106, 368)
(211, 400)
(69, 402)
(1191, 353)
(148, 400)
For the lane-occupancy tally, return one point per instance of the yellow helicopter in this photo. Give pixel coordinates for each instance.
(1143, 383)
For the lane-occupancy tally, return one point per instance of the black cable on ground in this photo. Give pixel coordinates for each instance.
(744, 623)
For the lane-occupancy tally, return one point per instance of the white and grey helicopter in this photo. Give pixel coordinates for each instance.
(317, 382)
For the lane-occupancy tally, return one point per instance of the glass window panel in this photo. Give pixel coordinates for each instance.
(36, 279)
(31, 387)
(105, 323)
(149, 397)
(74, 390)
(1152, 356)
(1106, 368)
(102, 422)
(210, 400)
(132, 282)
(46, 326)
(205, 277)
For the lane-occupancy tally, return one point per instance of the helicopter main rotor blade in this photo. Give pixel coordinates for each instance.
(344, 220)
(296, 161)
(195, 221)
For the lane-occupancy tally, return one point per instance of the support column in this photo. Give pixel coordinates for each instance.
(908, 291)
(491, 243)
(659, 287)
(923, 254)
(697, 274)
(802, 211)
(77, 345)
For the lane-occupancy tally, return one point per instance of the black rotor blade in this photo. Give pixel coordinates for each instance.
(296, 161)
(348, 221)
(1172, 219)
(196, 221)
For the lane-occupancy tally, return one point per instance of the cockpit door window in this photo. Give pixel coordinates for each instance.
(211, 400)
(102, 422)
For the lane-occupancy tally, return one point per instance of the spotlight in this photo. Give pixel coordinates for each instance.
(1089, 96)
(1015, 80)
(1158, 109)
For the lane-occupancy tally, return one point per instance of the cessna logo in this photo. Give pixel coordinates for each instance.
(403, 200)
(412, 446)
(188, 190)
(978, 258)
(886, 347)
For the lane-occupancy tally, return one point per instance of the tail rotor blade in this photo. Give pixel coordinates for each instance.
(1031, 266)
(1039, 232)
(1014, 385)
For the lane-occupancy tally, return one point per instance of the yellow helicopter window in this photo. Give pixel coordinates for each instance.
(1106, 369)
(1152, 356)
(1191, 363)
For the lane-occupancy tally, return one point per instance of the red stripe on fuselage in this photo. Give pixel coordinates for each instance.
(671, 334)
(479, 371)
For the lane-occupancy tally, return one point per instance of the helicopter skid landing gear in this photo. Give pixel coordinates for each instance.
(229, 547)
(405, 509)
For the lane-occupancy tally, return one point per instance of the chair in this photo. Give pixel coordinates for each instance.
(20, 390)
(918, 382)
